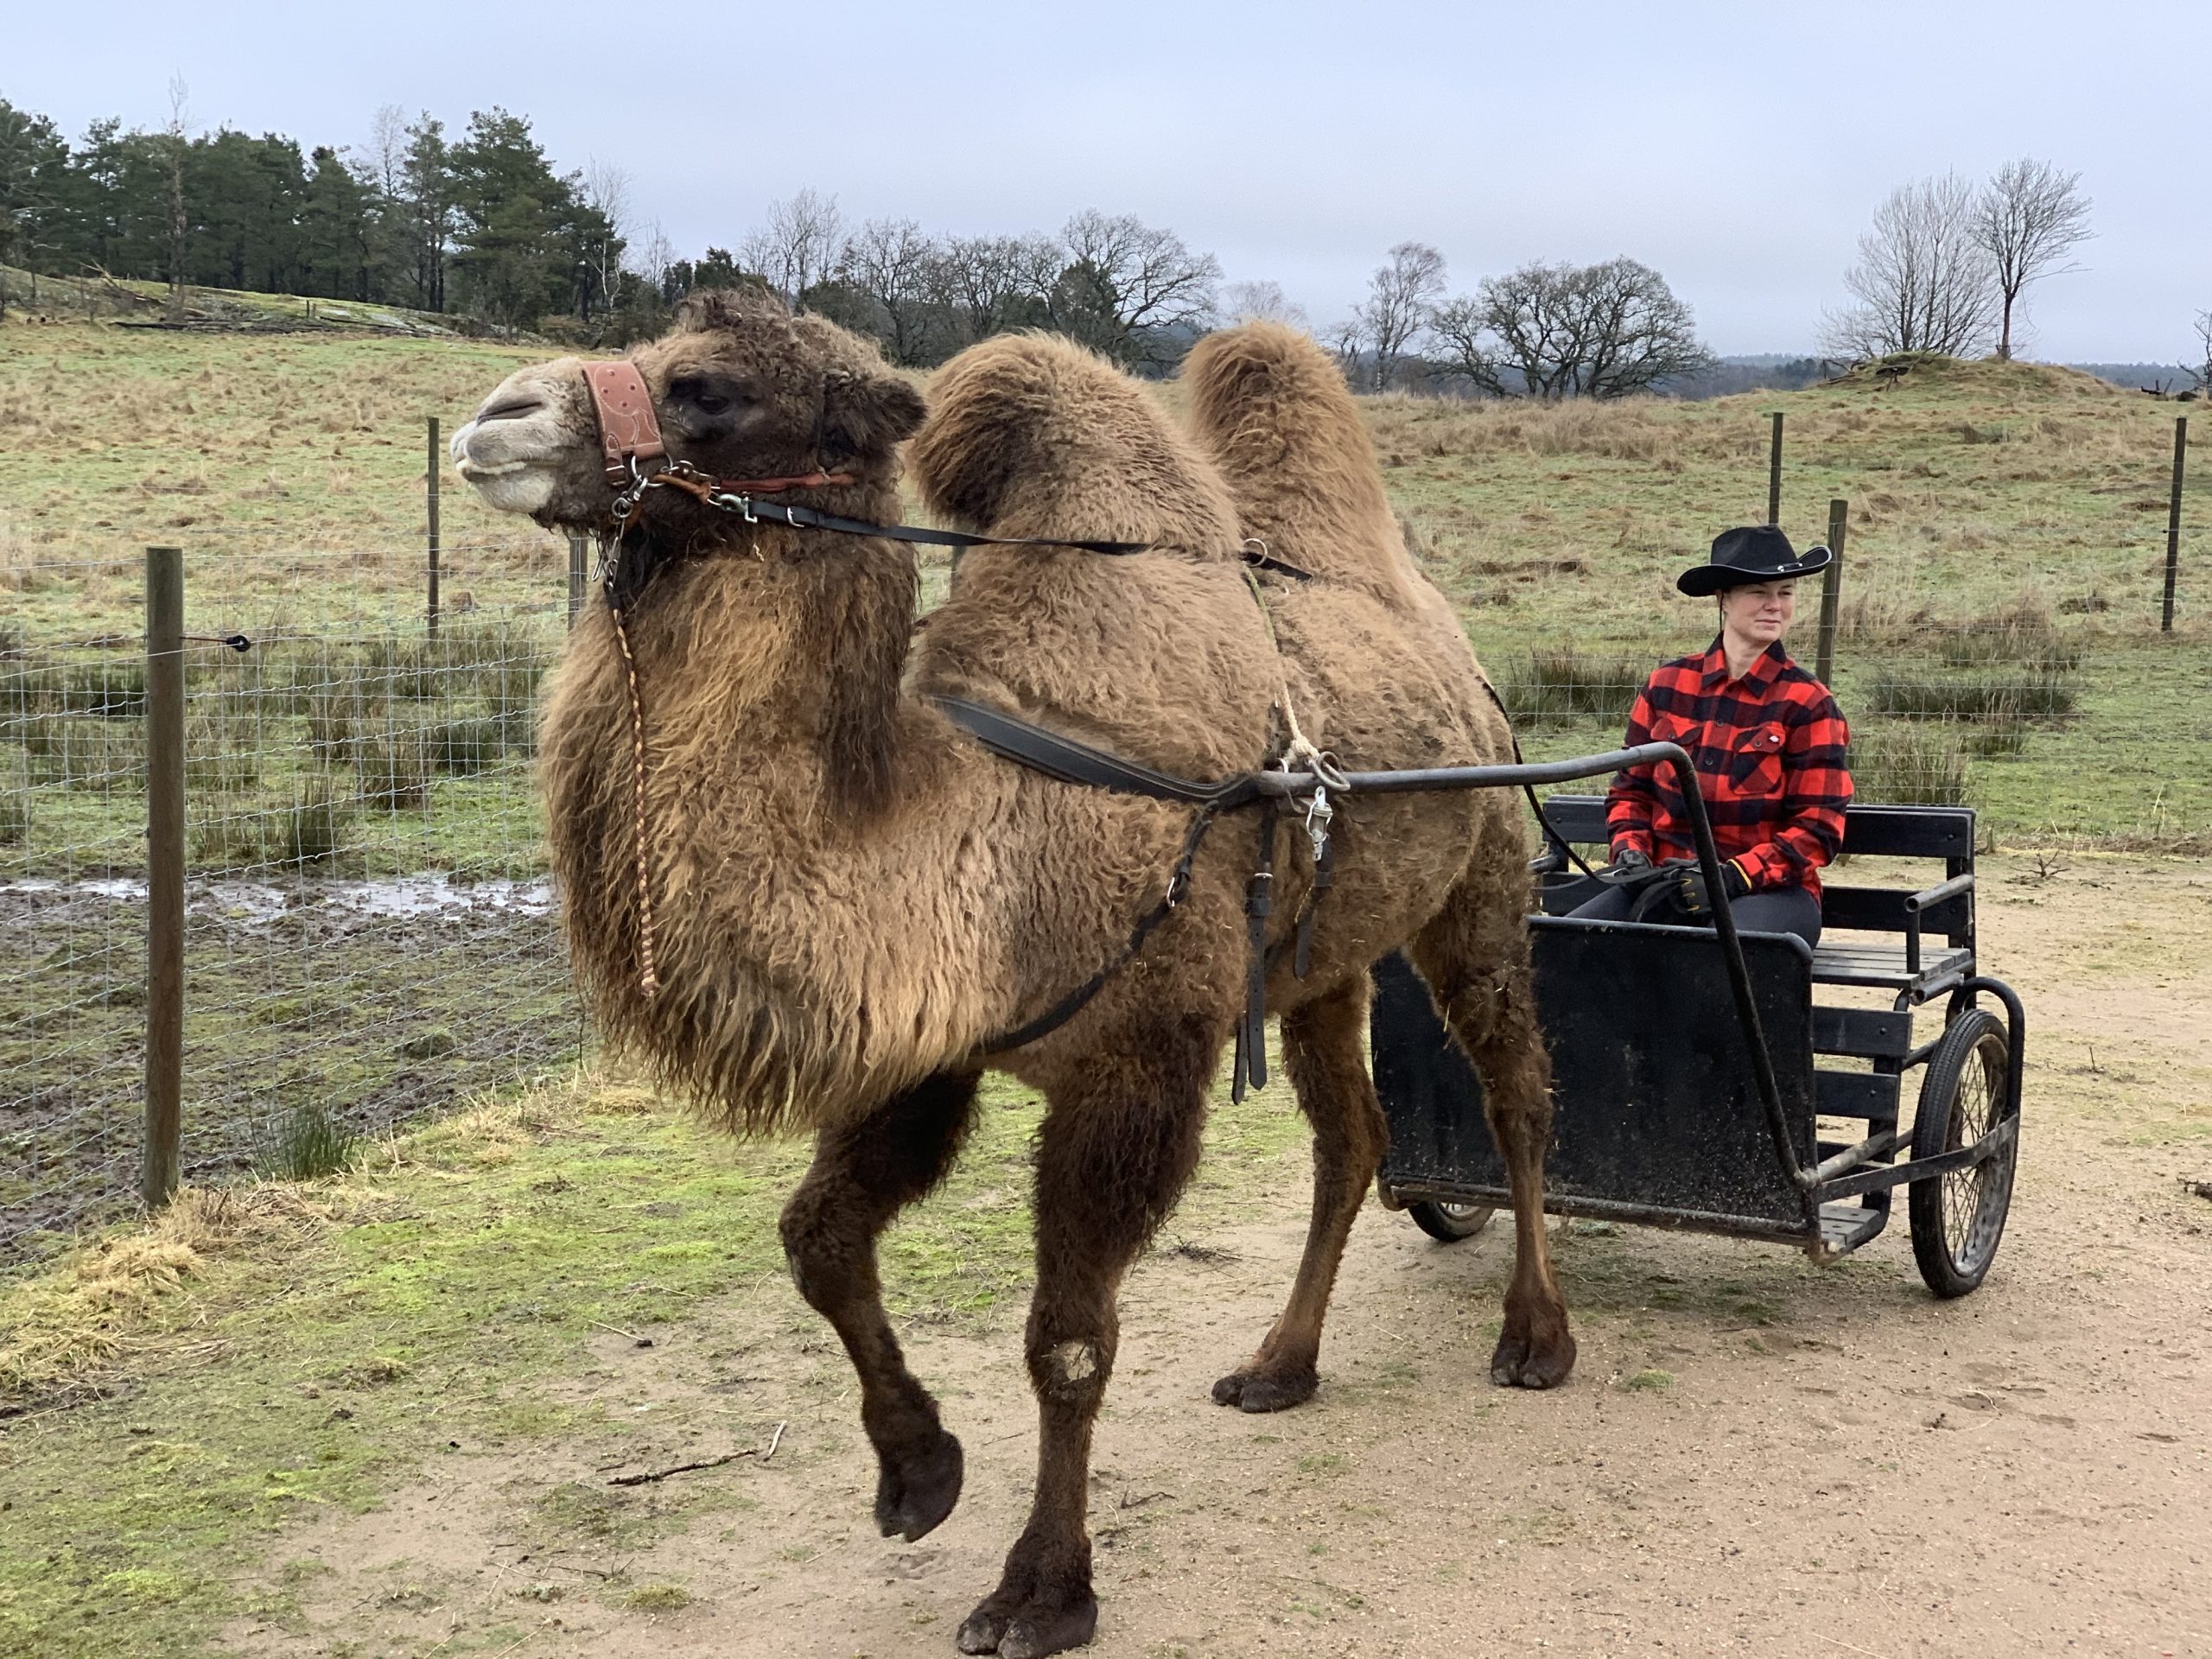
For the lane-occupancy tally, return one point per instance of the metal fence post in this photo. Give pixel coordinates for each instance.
(430, 479)
(164, 871)
(1774, 472)
(1832, 590)
(576, 568)
(2173, 524)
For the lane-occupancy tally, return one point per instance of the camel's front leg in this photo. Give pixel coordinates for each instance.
(1113, 1153)
(863, 1175)
(1322, 1050)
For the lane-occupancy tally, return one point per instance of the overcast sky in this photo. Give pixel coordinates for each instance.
(1739, 148)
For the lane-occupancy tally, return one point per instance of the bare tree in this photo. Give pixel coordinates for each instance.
(890, 263)
(2030, 217)
(174, 146)
(1399, 297)
(1564, 331)
(1923, 282)
(1262, 300)
(1345, 342)
(649, 259)
(985, 285)
(1129, 290)
(606, 191)
(387, 159)
(798, 246)
(2202, 372)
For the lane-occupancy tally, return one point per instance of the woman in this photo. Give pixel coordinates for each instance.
(1768, 741)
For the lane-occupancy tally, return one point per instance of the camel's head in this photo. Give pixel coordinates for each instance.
(742, 390)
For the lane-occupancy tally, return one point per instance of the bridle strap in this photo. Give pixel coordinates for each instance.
(629, 431)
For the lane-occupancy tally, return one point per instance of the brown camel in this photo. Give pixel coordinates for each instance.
(854, 900)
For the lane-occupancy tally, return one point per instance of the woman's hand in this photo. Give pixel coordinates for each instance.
(1628, 862)
(1691, 897)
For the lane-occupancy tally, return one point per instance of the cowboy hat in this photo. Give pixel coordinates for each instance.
(1753, 553)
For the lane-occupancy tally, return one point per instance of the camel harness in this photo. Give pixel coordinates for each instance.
(636, 461)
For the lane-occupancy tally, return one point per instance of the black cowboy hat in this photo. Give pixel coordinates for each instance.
(1753, 553)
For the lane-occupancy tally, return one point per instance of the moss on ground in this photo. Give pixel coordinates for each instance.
(426, 1305)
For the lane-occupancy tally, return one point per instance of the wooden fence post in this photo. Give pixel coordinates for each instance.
(2173, 524)
(164, 871)
(430, 498)
(1832, 591)
(1774, 472)
(576, 574)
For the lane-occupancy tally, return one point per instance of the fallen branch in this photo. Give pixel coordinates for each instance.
(652, 1475)
(682, 1468)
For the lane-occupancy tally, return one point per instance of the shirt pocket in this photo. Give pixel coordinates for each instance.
(1755, 759)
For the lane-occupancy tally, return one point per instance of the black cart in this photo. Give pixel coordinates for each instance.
(1691, 1065)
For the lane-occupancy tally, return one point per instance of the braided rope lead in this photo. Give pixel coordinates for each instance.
(648, 980)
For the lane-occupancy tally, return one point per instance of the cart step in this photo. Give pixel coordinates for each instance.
(1845, 1226)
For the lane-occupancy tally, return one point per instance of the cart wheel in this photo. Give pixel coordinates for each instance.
(1450, 1223)
(1957, 1218)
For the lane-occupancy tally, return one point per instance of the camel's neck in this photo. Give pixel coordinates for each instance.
(788, 645)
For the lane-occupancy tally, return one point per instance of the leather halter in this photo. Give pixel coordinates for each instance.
(629, 431)
(629, 437)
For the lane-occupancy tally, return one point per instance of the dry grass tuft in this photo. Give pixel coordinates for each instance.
(63, 1333)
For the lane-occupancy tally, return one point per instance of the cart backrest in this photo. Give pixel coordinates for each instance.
(1931, 832)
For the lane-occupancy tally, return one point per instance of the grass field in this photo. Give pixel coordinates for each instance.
(1998, 647)
(2001, 588)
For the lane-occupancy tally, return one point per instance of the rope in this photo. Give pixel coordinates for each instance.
(648, 980)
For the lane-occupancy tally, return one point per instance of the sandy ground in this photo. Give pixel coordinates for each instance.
(1754, 1456)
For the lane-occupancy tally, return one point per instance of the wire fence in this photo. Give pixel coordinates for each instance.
(370, 933)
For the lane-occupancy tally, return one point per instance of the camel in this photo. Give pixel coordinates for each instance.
(852, 904)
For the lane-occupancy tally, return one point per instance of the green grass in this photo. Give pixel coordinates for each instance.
(131, 1519)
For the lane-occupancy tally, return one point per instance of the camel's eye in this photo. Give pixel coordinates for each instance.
(709, 394)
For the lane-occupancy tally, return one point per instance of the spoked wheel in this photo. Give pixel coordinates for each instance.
(1958, 1217)
(1450, 1223)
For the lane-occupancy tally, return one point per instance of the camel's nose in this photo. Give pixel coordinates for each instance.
(512, 407)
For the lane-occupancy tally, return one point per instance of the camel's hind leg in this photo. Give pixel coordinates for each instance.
(1475, 956)
(1120, 1138)
(863, 1175)
(1322, 1051)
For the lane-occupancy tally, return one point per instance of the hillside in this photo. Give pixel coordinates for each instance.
(2006, 532)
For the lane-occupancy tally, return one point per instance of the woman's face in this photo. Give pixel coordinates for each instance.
(1760, 612)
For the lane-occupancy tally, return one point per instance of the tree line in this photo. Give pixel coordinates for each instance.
(477, 222)
(1549, 330)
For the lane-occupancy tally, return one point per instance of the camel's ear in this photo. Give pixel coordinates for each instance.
(863, 415)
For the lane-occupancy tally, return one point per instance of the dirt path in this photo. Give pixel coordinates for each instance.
(1754, 1456)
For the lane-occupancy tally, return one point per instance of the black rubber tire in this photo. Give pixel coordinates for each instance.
(1448, 1224)
(1958, 1218)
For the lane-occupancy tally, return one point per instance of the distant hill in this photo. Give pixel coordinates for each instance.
(2132, 375)
(1779, 371)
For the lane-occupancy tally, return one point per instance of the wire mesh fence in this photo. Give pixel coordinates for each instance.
(369, 930)
(2062, 716)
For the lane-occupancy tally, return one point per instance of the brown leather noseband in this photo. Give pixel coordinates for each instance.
(629, 431)
(629, 439)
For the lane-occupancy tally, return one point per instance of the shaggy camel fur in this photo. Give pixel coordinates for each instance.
(853, 898)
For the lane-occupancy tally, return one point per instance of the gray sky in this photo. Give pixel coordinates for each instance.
(1739, 148)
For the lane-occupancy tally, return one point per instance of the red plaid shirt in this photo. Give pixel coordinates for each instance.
(1770, 755)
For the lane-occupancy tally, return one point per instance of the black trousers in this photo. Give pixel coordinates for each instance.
(1778, 909)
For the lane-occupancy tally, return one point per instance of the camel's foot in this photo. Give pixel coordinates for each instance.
(1033, 1628)
(917, 1490)
(1043, 1605)
(1534, 1350)
(1265, 1386)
